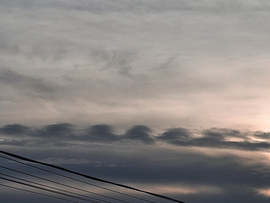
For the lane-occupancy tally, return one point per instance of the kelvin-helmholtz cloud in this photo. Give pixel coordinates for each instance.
(130, 90)
(219, 138)
(216, 164)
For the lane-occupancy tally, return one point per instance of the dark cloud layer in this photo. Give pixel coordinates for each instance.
(174, 135)
(103, 133)
(229, 177)
(140, 133)
(137, 157)
(217, 138)
(56, 131)
(222, 138)
(14, 129)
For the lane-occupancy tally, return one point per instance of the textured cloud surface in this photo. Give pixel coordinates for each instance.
(171, 96)
(102, 133)
(197, 63)
(186, 164)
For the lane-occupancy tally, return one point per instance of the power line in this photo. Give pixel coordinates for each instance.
(86, 198)
(30, 191)
(36, 167)
(121, 193)
(69, 186)
(90, 177)
(48, 190)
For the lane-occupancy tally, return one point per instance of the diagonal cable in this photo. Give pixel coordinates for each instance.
(121, 193)
(54, 188)
(90, 177)
(48, 190)
(38, 193)
(62, 184)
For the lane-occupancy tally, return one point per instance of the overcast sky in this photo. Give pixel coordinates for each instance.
(108, 85)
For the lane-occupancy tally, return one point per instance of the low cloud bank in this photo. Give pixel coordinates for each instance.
(224, 138)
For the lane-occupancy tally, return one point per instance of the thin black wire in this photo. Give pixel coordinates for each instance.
(77, 179)
(54, 188)
(37, 193)
(93, 178)
(82, 190)
(48, 190)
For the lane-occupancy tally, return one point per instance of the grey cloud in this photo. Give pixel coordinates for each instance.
(210, 138)
(213, 138)
(186, 51)
(216, 140)
(175, 134)
(221, 133)
(140, 133)
(233, 193)
(192, 168)
(101, 132)
(76, 35)
(61, 130)
(149, 168)
(119, 60)
(14, 129)
(9, 48)
(152, 165)
(138, 5)
(26, 84)
(50, 50)
(23, 143)
(262, 135)
(158, 166)
(54, 49)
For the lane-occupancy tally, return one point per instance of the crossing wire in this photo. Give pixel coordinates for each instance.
(69, 186)
(36, 167)
(48, 190)
(90, 177)
(30, 191)
(54, 188)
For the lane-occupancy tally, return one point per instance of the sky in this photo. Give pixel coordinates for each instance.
(168, 96)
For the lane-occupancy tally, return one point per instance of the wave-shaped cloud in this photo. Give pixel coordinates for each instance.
(223, 138)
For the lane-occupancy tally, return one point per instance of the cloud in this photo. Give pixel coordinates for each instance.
(9, 48)
(139, 5)
(56, 131)
(69, 63)
(66, 133)
(132, 54)
(214, 138)
(222, 133)
(14, 129)
(262, 135)
(186, 173)
(26, 84)
(175, 135)
(65, 161)
(119, 60)
(102, 132)
(140, 133)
